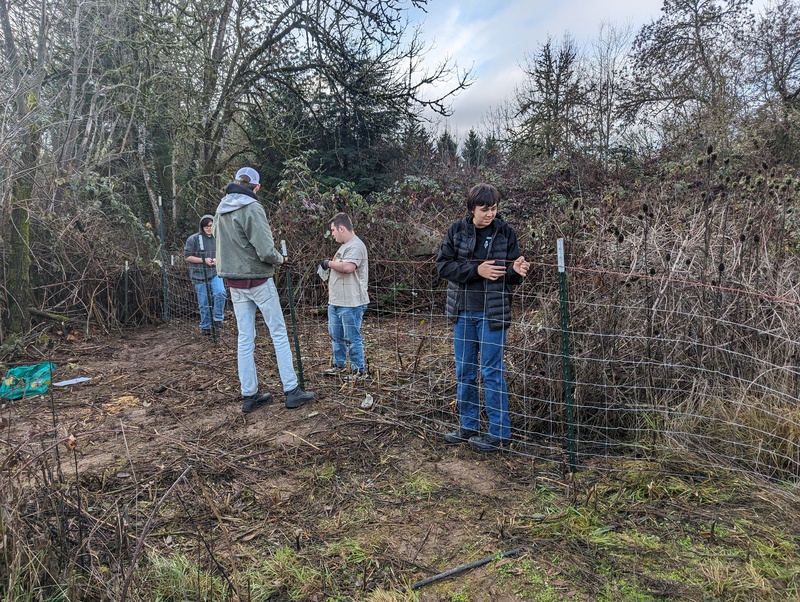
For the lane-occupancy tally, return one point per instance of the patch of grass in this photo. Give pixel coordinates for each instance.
(470, 550)
(36, 594)
(420, 484)
(175, 577)
(350, 517)
(325, 473)
(775, 562)
(621, 590)
(644, 541)
(381, 595)
(459, 597)
(285, 574)
(646, 537)
(717, 575)
(569, 521)
(527, 581)
(349, 551)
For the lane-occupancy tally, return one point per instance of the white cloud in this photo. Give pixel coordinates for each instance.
(493, 39)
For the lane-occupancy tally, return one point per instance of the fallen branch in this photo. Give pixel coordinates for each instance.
(466, 567)
(54, 317)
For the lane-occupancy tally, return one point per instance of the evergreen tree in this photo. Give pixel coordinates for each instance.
(447, 149)
(473, 153)
(549, 102)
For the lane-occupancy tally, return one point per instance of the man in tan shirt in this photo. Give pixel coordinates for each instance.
(347, 274)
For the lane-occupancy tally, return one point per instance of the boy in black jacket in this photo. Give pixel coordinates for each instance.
(482, 262)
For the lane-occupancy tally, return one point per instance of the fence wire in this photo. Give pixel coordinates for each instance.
(663, 368)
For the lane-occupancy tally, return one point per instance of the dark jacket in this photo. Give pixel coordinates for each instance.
(201, 245)
(456, 262)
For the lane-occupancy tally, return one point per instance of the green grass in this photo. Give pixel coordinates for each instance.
(285, 574)
(527, 581)
(175, 578)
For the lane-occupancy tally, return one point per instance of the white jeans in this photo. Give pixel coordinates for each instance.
(245, 302)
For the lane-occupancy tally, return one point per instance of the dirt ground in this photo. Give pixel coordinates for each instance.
(158, 453)
(159, 403)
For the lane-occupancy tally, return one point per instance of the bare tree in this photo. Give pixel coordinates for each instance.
(294, 49)
(775, 52)
(687, 68)
(24, 54)
(604, 86)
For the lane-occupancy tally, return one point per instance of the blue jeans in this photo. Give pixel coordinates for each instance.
(245, 302)
(473, 339)
(218, 292)
(344, 326)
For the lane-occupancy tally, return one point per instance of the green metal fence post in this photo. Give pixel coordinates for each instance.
(126, 308)
(298, 357)
(163, 259)
(566, 364)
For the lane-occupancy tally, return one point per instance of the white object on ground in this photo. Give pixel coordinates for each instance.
(72, 381)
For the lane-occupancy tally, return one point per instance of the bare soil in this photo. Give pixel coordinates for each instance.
(160, 401)
(163, 455)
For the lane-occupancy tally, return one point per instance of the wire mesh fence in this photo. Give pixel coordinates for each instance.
(655, 367)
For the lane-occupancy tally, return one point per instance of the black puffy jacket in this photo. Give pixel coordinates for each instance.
(456, 263)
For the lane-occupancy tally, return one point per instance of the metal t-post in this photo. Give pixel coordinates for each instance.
(165, 313)
(298, 359)
(566, 364)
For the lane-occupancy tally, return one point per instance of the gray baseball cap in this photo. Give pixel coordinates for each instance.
(250, 173)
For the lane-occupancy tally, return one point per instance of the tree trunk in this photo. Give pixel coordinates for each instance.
(19, 263)
(146, 168)
(26, 101)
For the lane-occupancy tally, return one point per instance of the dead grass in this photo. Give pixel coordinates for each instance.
(169, 488)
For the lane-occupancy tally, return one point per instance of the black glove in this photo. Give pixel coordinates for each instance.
(324, 264)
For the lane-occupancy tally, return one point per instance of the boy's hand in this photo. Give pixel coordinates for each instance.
(491, 271)
(521, 266)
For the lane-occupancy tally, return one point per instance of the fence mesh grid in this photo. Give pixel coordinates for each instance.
(662, 368)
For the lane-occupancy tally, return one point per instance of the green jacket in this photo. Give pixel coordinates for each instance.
(245, 247)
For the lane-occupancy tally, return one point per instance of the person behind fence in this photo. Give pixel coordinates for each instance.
(246, 258)
(200, 253)
(481, 260)
(347, 275)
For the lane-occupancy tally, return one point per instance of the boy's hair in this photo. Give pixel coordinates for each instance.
(245, 181)
(482, 195)
(342, 219)
(248, 177)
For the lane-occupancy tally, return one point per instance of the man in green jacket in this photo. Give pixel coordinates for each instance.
(246, 259)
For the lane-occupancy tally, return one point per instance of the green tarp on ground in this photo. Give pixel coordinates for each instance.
(26, 381)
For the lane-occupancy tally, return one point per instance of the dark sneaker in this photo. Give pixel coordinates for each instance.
(487, 443)
(252, 402)
(206, 332)
(462, 435)
(334, 371)
(297, 397)
(356, 375)
(218, 325)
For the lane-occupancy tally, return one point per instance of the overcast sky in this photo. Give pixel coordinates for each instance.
(493, 37)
